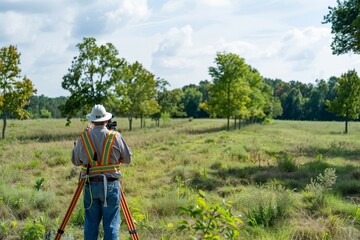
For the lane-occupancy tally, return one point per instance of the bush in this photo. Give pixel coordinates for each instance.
(210, 221)
(272, 206)
(316, 190)
(33, 230)
(287, 163)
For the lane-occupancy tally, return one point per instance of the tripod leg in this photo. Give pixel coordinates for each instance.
(70, 209)
(128, 218)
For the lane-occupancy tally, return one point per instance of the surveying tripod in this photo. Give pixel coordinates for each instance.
(124, 207)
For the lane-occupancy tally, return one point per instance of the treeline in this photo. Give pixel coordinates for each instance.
(236, 91)
(296, 101)
(300, 101)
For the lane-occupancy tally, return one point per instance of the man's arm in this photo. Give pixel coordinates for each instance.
(75, 153)
(125, 150)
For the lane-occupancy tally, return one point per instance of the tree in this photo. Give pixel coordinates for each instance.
(347, 101)
(91, 77)
(136, 92)
(191, 100)
(294, 105)
(345, 20)
(260, 95)
(15, 90)
(229, 93)
(38, 103)
(169, 101)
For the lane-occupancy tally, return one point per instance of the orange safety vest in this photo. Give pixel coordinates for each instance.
(102, 164)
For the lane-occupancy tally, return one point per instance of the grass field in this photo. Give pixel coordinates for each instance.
(284, 180)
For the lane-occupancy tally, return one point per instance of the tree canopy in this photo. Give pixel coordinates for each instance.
(347, 101)
(91, 77)
(136, 92)
(15, 90)
(345, 25)
(229, 93)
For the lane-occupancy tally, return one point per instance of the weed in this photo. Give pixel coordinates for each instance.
(210, 221)
(34, 164)
(317, 189)
(37, 153)
(39, 184)
(287, 163)
(33, 230)
(267, 209)
(78, 216)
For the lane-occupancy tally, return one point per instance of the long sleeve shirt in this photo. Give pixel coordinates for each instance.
(120, 152)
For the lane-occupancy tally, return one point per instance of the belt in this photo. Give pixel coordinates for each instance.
(101, 179)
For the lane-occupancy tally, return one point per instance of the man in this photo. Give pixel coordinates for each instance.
(100, 151)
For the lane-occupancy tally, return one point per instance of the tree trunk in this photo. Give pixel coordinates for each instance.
(130, 123)
(157, 122)
(346, 122)
(346, 126)
(4, 127)
(228, 108)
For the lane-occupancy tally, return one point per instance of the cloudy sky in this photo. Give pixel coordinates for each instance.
(175, 39)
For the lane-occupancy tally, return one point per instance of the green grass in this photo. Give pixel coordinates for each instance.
(262, 169)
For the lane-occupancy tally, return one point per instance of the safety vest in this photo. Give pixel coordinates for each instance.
(102, 164)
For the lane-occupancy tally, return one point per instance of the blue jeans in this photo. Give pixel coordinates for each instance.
(95, 210)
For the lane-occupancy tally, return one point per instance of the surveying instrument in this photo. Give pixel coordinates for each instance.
(123, 204)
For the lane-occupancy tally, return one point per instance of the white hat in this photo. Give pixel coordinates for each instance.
(99, 114)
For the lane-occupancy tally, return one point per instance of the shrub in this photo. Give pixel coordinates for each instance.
(33, 230)
(316, 190)
(210, 221)
(78, 217)
(287, 163)
(267, 209)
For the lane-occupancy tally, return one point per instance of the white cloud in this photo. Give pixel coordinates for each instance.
(177, 5)
(175, 39)
(105, 17)
(172, 51)
(129, 11)
(174, 5)
(22, 28)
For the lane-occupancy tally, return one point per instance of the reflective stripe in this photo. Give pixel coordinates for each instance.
(102, 169)
(89, 147)
(109, 141)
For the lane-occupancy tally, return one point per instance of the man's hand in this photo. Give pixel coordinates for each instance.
(89, 127)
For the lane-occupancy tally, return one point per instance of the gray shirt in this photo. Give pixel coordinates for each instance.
(120, 152)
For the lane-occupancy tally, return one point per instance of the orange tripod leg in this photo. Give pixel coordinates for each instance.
(70, 209)
(128, 218)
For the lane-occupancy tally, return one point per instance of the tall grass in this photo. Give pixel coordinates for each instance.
(263, 169)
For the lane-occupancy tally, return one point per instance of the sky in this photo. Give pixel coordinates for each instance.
(176, 40)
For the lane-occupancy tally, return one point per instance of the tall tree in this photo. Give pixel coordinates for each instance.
(15, 90)
(136, 92)
(191, 100)
(91, 77)
(347, 101)
(229, 93)
(294, 105)
(345, 20)
(260, 96)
